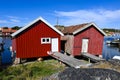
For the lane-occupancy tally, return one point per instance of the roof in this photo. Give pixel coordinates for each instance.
(8, 30)
(78, 28)
(36, 20)
(71, 29)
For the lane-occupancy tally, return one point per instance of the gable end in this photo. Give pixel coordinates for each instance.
(33, 22)
(87, 26)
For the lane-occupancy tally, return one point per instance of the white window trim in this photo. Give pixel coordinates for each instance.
(45, 40)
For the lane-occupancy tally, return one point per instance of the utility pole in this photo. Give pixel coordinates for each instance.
(57, 20)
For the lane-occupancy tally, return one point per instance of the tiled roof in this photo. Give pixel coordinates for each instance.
(78, 28)
(13, 30)
(6, 30)
(9, 30)
(73, 28)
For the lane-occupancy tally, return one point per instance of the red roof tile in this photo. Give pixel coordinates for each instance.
(71, 29)
(9, 30)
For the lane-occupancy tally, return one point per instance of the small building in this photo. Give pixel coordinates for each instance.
(6, 31)
(83, 38)
(35, 39)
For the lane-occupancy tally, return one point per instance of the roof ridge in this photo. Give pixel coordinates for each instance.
(78, 24)
(72, 28)
(34, 21)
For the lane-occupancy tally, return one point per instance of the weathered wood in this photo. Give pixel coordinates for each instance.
(92, 57)
(71, 61)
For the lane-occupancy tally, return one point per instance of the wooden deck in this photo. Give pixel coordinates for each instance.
(92, 57)
(71, 61)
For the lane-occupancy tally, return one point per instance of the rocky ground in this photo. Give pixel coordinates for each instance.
(111, 64)
(105, 70)
(89, 74)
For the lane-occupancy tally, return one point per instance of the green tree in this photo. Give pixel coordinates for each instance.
(59, 27)
(16, 27)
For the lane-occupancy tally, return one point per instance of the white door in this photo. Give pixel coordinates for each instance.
(84, 45)
(54, 45)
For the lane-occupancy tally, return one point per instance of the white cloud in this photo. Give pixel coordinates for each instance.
(15, 17)
(3, 21)
(15, 20)
(12, 17)
(100, 16)
(11, 21)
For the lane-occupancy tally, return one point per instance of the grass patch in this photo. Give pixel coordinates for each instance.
(32, 71)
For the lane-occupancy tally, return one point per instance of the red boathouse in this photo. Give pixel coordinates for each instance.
(83, 38)
(35, 39)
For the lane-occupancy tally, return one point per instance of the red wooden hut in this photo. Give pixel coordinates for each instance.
(83, 38)
(35, 39)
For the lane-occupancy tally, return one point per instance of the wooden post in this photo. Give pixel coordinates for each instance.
(100, 56)
(119, 46)
(89, 60)
(17, 61)
(0, 59)
(40, 59)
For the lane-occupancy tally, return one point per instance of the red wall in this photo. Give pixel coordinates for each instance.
(95, 44)
(28, 43)
(14, 44)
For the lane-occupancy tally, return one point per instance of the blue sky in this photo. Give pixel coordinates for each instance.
(105, 13)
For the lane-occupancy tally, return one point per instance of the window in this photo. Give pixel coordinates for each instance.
(45, 40)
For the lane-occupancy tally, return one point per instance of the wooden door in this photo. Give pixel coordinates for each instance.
(54, 45)
(85, 45)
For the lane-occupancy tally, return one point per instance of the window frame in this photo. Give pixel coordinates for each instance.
(47, 40)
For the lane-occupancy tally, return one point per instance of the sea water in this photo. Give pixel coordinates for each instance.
(6, 54)
(110, 51)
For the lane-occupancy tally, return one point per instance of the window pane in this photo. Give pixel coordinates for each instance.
(43, 40)
(47, 40)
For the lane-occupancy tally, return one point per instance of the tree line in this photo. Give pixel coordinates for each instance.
(111, 30)
(15, 27)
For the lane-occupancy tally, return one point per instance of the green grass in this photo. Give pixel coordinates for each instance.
(32, 71)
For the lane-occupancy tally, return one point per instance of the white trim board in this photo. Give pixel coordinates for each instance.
(88, 25)
(27, 26)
